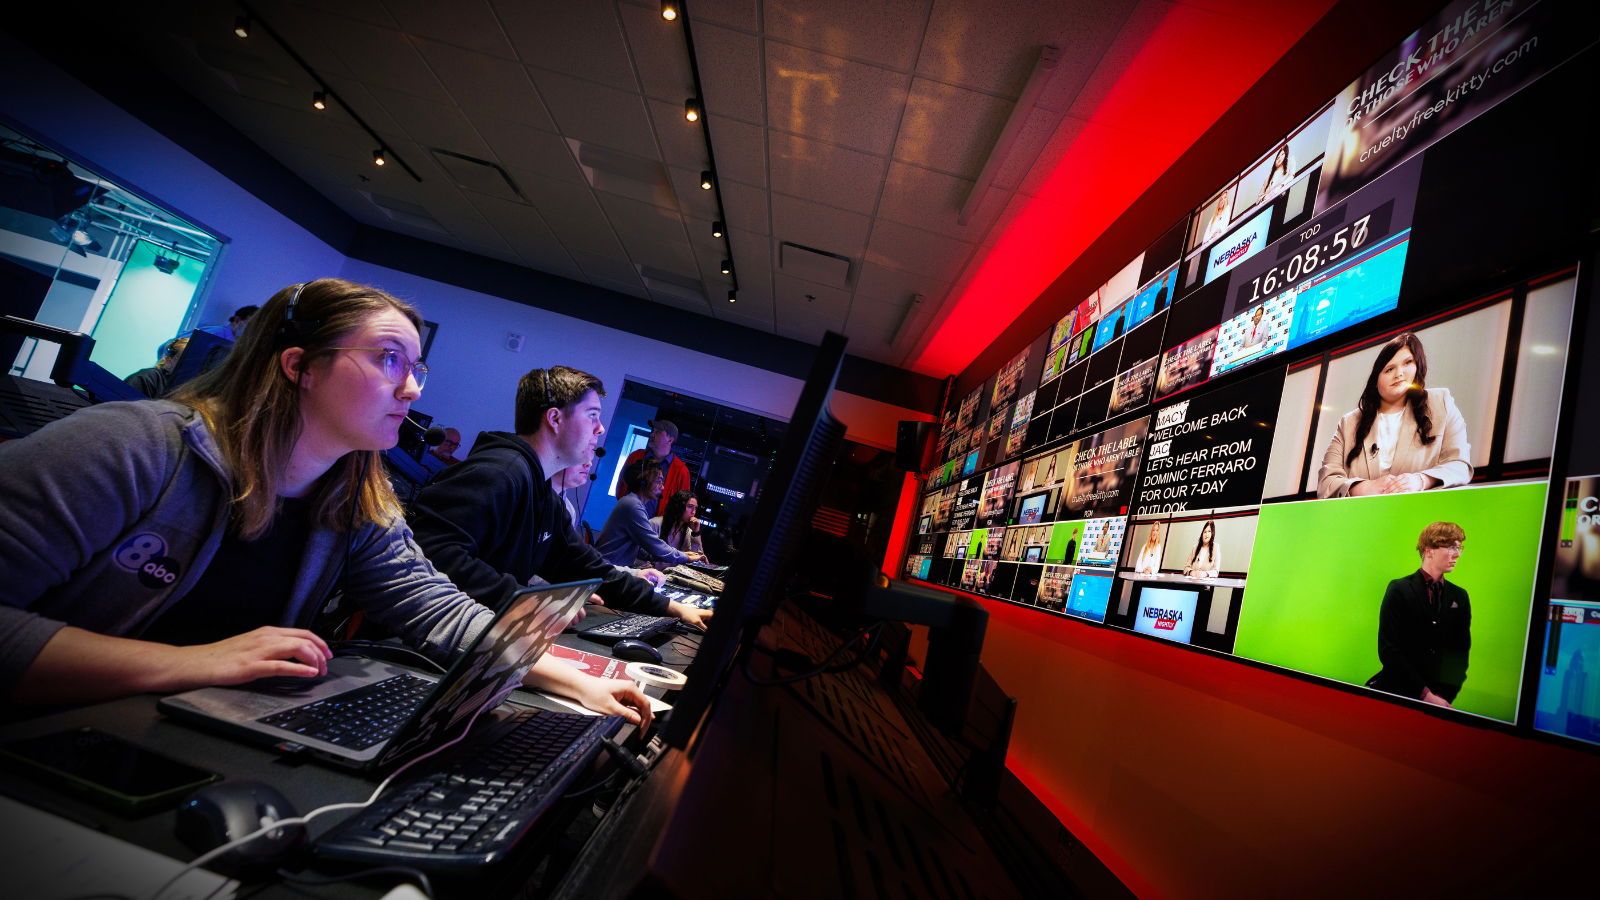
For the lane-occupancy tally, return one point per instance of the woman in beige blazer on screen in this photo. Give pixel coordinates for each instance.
(1403, 436)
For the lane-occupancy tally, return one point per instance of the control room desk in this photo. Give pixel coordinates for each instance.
(308, 784)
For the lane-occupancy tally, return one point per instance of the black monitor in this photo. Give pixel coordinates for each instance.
(778, 528)
(204, 352)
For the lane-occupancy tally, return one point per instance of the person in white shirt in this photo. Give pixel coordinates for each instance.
(1219, 217)
(1149, 562)
(1205, 561)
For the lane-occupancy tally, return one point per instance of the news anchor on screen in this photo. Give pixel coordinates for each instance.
(1149, 562)
(1402, 437)
(1425, 624)
(1205, 561)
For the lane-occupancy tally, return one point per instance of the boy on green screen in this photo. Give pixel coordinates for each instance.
(1425, 624)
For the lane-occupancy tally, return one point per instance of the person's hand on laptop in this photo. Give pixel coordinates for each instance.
(689, 615)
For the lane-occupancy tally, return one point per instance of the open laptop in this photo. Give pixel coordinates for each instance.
(369, 715)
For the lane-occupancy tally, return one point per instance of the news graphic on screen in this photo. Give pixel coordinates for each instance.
(1211, 450)
(1569, 679)
(1065, 538)
(1133, 387)
(1011, 544)
(1413, 95)
(1031, 510)
(1105, 468)
(1244, 242)
(1166, 613)
(1088, 595)
(1019, 424)
(998, 486)
(1153, 297)
(1327, 613)
(966, 417)
(1255, 334)
(1055, 582)
(1351, 293)
(1186, 365)
(1102, 541)
(1063, 329)
(1112, 325)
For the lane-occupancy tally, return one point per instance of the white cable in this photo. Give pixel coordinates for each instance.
(210, 855)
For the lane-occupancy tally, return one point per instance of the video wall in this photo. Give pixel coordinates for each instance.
(1268, 436)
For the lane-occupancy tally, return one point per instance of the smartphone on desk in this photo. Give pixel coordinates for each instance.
(104, 769)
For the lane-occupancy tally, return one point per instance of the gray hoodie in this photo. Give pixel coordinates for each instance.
(109, 516)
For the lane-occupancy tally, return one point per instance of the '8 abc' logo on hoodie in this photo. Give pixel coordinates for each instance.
(145, 555)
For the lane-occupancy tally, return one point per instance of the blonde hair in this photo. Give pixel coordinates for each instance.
(253, 408)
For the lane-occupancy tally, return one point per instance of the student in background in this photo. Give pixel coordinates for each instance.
(663, 435)
(1425, 624)
(445, 452)
(678, 527)
(1205, 561)
(235, 327)
(152, 382)
(628, 534)
(168, 545)
(1402, 437)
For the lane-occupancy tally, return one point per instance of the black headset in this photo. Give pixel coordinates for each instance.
(549, 398)
(293, 328)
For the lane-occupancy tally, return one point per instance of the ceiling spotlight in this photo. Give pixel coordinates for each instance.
(732, 296)
(166, 264)
(319, 100)
(377, 157)
(727, 266)
(241, 26)
(669, 10)
(691, 109)
(71, 230)
(716, 229)
(705, 181)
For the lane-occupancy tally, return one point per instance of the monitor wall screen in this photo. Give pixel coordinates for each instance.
(1166, 613)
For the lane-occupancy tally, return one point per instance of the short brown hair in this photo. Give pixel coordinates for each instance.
(558, 387)
(1440, 534)
(640, 473)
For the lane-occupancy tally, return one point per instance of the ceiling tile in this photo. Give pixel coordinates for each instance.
(812, 170)
(673, 256)
(741, 150)
(308, 41)
(760, 323)
(608, 267)
(873, 324)
(883, 33)
(464, 23)
(913, 250)
(751, 252)
(803, 326)
(353, 92)
(894, 287)
(630, 289)
(692, 200)
(305, 128)
(659, 52)
(582, 39)
(808, 297)
(744, 206)
(484, 85)
(597, 114)
(576, 235)
(516, 222)
(1030, 142)
(379, 56)
(434, 124)
(684, 303)
(993, 49)
(1067, 131)
(833, 99)
(546, 254)
(949, 128)
(730, 72)
(819, 227)
(520, 147)
(645, 219)
(1117, 58)
(932, 201)
(738, 13)
(371, 12)
(502, 252)
(564, 198)
(683, 142)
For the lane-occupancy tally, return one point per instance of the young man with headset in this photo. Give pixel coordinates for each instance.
(493, 523)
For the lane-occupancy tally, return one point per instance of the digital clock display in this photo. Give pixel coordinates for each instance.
(1319, 246)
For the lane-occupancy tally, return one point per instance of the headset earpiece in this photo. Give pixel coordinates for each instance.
(296, 327)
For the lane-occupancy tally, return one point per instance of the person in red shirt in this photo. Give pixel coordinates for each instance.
(663, 435)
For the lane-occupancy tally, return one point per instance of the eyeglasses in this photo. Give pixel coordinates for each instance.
(394, 366)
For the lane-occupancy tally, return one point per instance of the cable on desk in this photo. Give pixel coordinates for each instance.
(311, 880)
(827, 664)
(396, 649)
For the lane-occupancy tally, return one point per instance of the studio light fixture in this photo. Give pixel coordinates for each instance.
(705, 180)
(377, 157)
(166, 265)
(241, 26)
(732, 296)
(727, 266)
(716, 229)
(669, 10)
(71, 230)
(691, 109)
(319, 99)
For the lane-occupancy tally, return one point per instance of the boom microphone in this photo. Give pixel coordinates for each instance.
(433, 437)
(599, 451)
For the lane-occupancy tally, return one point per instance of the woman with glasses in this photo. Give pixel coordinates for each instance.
(174, 544)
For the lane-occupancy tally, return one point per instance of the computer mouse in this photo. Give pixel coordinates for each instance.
(229, 810)
(635, 651)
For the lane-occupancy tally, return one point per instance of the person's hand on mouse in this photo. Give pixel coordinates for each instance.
(617, 697)
(264, 652)
(689, 615)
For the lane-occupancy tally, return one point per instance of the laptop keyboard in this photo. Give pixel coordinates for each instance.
(356, 719)
(474, 808)
(631, 627)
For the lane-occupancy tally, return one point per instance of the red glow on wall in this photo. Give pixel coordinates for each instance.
(1192, 66)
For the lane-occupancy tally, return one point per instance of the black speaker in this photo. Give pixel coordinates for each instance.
(910, 442)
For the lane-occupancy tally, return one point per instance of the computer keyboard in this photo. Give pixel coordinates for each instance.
(472, 810)
(356, 719)
(636, 626)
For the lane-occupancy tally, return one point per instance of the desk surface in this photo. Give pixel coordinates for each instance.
(306, 783)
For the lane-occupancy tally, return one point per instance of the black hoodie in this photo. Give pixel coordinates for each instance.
(492, 522)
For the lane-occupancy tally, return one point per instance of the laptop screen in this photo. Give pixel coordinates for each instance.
(491, 668)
